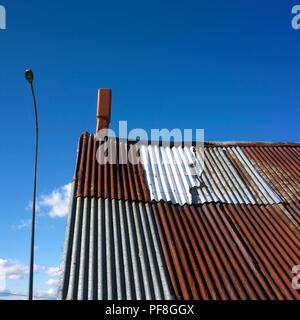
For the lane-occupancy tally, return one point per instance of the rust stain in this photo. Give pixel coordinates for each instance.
(115, 181)
(280, 166)
(219, 251)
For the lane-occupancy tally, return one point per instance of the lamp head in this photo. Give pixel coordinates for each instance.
(29, 76)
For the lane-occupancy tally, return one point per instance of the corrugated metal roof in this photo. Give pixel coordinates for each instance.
(216, 251)
(219, 224)
(115, 181)
(113, 252)
(119, 249)
(227, 174)
(280, 166)
(294, 210)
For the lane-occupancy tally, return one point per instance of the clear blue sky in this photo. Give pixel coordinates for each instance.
(230, 67)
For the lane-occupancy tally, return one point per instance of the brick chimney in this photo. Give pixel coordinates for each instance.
(103, 109)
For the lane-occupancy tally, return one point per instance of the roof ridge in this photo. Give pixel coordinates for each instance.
(209, 143)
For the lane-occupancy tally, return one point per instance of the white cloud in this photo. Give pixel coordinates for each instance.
(49, 294)
(24, 224)
(39, 269)
(6, 294)
(54, 271)
(52, 282)
(29, 206)
(54, 204)
(52, 292)
(14, 270)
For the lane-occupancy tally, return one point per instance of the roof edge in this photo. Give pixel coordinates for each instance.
(210, 143)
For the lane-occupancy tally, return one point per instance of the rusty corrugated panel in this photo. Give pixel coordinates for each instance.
(294, 210)
(216, 251)
(250, 144)
(115, 181)
(266, 174)
(280, 166)
(113, 252)
(239, 240)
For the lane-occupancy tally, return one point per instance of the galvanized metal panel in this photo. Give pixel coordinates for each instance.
(113, 252)
(69, 236)
(228, 252)
(170, 177)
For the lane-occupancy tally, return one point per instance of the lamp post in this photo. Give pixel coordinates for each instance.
(30, 77)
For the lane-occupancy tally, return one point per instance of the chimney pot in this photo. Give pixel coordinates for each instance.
(103, 109)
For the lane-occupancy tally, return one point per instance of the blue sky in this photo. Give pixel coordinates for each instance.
(231, 68)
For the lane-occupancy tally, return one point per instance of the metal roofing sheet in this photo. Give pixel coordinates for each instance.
(113, 252)
(239, 239)
(233, 174)
(115, 181)
(224, 175)
(280, 166)
(216, 251)
(293, 209)
(117, 249)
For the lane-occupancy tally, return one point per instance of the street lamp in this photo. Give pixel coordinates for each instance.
(29, 77)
